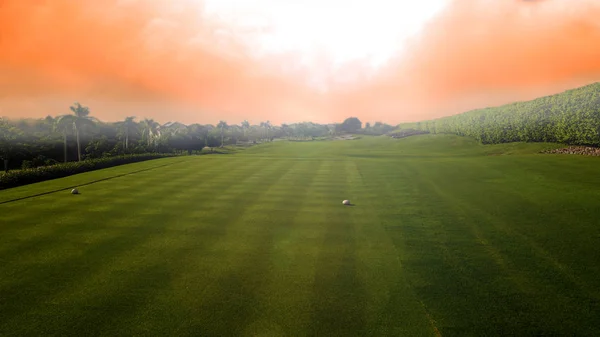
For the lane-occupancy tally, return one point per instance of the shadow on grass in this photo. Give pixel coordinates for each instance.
(339, 295)
(37, 286)
(236, 299)
(47, 298)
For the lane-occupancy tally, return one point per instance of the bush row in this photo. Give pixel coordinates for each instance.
(33, 175)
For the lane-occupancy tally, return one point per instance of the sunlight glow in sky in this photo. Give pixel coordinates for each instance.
(290, 60)
(326, 34)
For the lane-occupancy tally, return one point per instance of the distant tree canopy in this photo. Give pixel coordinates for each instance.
(351, 125)
(571, 117)
(378, 128)
(77, 135)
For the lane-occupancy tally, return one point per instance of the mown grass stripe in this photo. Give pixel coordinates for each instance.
(442, 235)
(126, 239)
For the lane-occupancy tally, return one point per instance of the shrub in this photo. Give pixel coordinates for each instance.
(39, 160)
(30, 175)
(27, 164)
(50, 162)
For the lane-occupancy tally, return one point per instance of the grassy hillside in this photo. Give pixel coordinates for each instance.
(571, 117)
(446, 237)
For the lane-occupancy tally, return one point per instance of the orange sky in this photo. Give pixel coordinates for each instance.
(174, 61)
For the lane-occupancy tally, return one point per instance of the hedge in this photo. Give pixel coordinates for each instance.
(34, 175)
(570, 117)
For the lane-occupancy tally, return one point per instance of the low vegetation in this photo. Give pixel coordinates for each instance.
(78, 136)
(41, 173)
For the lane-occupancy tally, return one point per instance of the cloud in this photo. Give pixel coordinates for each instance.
(142, 53)
(170, 60)
(478, 53)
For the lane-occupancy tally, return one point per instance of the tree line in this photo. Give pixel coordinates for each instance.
(78, 136)
(571, 117)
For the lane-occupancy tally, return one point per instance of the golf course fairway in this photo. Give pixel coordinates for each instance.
(444, 237)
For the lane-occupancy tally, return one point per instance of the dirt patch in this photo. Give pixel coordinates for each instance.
(345, 137)
(406, 133)
(579, 150)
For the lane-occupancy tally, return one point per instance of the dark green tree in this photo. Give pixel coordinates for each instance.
(351, 125)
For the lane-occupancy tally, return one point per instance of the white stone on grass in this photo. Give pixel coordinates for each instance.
(346, 202)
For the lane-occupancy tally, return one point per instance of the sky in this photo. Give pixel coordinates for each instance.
(201, 61)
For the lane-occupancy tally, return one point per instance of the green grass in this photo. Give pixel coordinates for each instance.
(447, 237)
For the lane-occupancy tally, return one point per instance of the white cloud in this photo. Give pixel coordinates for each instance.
(332, 32)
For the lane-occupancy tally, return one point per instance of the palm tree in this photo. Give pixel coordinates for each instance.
(262, 126)
(268, 127)
(245, 127)
(331, 131)
(175, 128)
(207, 130)
(196, 133)
(234, 131)
(81, 118)
(63, 124)
(150, 130)
(222, 125)
(128, 127)
(285, 130)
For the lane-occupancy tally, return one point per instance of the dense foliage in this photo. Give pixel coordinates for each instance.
(33, 175)
(78, 136)
(571, 117)
(351, 125)
(378, 128)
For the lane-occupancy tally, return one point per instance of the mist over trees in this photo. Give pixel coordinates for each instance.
(571, 117)
(78, 135)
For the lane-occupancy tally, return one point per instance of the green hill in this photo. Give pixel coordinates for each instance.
(570, 117)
